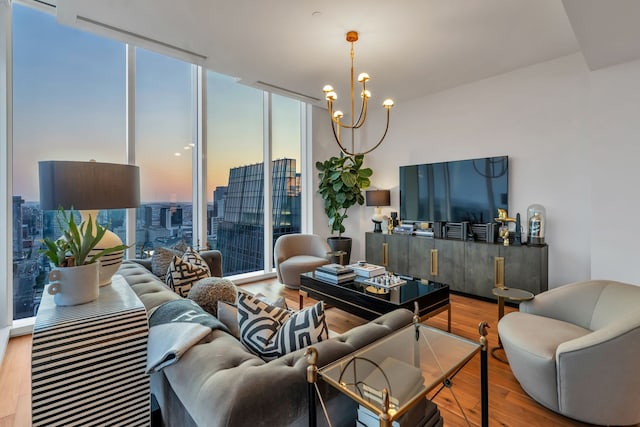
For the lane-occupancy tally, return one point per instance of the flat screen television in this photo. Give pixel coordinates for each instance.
(456, 191)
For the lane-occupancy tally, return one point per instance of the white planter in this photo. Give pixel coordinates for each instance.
(74, 285)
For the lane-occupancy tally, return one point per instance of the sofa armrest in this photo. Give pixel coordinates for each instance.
(604, 360)
(214, 260)
(573, 303)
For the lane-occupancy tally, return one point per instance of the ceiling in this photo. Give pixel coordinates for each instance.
(410, 48)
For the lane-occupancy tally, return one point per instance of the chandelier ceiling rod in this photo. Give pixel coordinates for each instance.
(335, 116)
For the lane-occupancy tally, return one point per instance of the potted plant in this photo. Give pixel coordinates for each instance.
(74, 278)
(342, 180)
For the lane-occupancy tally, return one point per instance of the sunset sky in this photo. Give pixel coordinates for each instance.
(69, 104)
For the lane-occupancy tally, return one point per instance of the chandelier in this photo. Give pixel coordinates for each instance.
(336, 116)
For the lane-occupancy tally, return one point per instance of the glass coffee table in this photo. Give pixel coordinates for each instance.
(394, 373)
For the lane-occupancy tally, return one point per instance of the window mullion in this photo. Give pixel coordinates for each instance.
(268, 186)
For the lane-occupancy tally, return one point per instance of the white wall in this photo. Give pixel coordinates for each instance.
(571, 136)
(614, 132)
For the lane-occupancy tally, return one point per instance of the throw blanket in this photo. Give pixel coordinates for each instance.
(174, 327)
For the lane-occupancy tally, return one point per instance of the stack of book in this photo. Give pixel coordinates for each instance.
(335, 273)
(403, 381)
(364, 269)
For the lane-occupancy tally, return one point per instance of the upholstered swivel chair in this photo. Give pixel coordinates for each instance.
(298, 253)
(576, 350)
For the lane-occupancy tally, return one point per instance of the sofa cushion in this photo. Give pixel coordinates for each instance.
(182, 275)
(161, 259)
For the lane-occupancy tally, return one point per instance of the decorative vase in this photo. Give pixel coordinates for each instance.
(74, 285)
(340, 244)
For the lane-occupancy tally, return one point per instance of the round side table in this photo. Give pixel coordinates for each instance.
(511, 294)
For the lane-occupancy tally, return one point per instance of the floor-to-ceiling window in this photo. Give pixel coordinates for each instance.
(70, 103)
(164, 146)
(68, 98)
(235, 181)
(286, 176)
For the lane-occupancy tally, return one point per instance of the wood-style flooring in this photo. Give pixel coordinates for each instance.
(508, 404)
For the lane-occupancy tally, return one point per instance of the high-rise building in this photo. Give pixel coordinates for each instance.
(240, 235)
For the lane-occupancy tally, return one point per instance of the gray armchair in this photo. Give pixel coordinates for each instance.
(576, 350)
(298, 253)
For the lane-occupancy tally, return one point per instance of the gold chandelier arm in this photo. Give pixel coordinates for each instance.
(363, 114)
(336, 135)
(386, 129)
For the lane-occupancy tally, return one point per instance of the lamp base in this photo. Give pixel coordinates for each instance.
(377, 226)
(109, 264)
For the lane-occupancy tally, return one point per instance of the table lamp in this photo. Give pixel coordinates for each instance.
(89, 187)
(377, 198)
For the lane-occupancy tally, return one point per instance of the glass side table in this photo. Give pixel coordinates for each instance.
(511, 294)
(394, 373)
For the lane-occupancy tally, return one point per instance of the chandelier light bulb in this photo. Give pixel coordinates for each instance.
(363, 77)
(327, 88)
(388, 103)
(366, 94)
(331, 96)
(338, 114)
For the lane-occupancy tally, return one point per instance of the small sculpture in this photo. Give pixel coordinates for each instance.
(504, 228)
(517, 240)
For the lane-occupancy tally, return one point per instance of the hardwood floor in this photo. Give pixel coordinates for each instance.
(508, 404)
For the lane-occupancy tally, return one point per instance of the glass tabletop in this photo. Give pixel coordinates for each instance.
(408, 364)
(512, 294)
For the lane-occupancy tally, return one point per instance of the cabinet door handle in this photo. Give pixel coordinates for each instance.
(498, 272)
(385, 254)
(434, 262)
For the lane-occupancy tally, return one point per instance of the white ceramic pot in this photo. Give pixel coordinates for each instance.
(74, 285)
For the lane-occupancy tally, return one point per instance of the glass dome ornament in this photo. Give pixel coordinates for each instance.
(536, 224)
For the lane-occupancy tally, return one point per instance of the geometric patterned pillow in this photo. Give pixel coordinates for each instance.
(271, 332)
(259, 323)
(193, 257)
(181, 275)
(302, 329)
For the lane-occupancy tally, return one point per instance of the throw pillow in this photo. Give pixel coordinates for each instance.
(181, 246)
(181, 276)
(161, 259)
(227, 312)
(271, 332)
(258, 323)
(193, 257)
(208, 291)
(303, 328)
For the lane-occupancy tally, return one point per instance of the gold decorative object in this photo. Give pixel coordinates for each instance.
(504, 219)
(336, 116)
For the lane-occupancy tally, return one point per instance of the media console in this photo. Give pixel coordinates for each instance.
(469, 267)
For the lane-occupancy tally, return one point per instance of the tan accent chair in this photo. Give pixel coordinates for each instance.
(575, 349)
(298, 253)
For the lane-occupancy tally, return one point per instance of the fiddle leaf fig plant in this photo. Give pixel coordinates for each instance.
(73, 248)
(342, 180)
